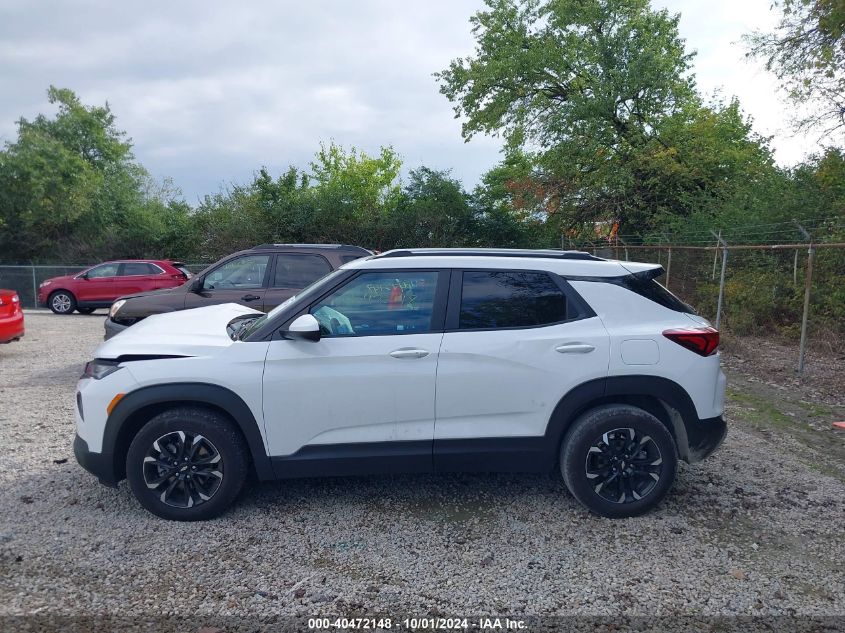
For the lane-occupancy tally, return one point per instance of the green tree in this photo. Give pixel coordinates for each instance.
(583, 84)
(434, 210)
(70, 189)
(806, 51)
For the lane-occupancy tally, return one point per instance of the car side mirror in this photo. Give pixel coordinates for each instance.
(83, 276)
(196, 285)
(304, 327)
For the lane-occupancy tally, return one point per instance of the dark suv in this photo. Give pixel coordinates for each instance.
(261, 278)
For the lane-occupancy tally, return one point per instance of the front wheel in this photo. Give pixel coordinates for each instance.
(62, 302)
(618, 460)
(187, 464)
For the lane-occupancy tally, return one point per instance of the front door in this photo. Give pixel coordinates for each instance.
(97, 286)
(240, 280)
(364, 393)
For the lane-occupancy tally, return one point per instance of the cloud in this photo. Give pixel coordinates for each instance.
(211, 91)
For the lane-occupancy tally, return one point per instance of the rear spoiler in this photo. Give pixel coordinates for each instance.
(643, 272)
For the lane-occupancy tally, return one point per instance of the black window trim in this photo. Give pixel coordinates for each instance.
(438, 311)
(456, 291)
(272, 276)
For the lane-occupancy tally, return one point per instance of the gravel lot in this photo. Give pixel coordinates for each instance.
(756, 529)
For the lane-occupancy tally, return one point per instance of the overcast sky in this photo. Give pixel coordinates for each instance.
(211, 91)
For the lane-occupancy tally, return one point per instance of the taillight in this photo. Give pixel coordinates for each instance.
(701, 340)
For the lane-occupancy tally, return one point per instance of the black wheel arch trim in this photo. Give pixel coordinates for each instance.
(678, 411)
(115, 441)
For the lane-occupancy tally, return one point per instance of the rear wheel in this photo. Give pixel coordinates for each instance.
(62, 302)
(187, 464)
(618, 460)
(85, 310)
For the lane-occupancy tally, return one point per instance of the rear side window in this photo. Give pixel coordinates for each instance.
(509, 299)
(654, 291)
(345, 259)
(133, 269)
(298, 271)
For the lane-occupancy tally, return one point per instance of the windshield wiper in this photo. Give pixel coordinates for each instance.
(242, 326)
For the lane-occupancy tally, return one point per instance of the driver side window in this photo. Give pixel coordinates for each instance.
(243, 273)
(100, 272)
(379, 303)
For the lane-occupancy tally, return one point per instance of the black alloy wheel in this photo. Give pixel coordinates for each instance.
(624, 465)
(185, 468)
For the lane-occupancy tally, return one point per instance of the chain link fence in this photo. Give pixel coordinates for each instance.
(25, 279)
(793, 291)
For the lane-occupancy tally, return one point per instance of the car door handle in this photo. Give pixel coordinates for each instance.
(407, 352)
(575, 348)
(250, 298)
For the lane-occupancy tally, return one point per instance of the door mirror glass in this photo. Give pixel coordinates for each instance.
(304, 327)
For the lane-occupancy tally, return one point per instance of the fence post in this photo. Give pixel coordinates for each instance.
(795, 268)
(34, 289)
(625, 246)
(724, 245)
(668, 260)
(808, 282)
(716, 253)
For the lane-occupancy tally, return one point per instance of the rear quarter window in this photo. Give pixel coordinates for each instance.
(654, 291)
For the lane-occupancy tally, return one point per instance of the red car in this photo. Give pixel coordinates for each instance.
(11, 316)
(100, 285)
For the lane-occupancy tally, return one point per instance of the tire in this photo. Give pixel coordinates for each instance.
(197, 490)
(62, 302)
(85, 310)
(628, 451)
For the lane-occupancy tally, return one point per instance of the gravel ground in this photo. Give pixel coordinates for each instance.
(756, 529)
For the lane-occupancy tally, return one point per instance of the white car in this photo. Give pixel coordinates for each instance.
(413, 361)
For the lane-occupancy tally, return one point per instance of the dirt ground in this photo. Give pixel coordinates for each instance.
(754, 530)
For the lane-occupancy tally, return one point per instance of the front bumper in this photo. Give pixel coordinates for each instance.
(99, 464)
(113, 328)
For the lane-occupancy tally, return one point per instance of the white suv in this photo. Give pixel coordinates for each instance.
(413, 361)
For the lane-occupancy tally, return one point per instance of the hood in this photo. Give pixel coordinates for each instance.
(61, 279)
(183, 333)
(151, 293)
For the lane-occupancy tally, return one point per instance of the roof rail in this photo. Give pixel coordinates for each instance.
(489, 252)
(345, 247)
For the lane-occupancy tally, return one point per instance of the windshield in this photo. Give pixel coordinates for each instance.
(313, 289)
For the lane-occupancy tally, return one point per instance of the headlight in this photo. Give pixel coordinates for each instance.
(98, 369)
(117, 305)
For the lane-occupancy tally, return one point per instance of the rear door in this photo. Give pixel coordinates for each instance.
(136, 277)
(516, 342)
(241, 280)
(291, 273)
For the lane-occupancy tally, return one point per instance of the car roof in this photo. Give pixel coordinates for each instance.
(318, 247)
(572, 263)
